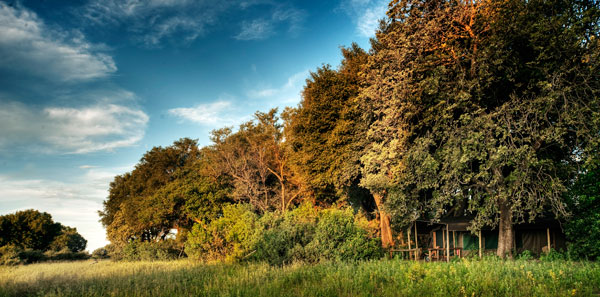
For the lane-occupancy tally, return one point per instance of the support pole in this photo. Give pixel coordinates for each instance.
(454, 238)
(480, 252)
(408, 234)
(416, 242)
(548, 235)
(447, 244)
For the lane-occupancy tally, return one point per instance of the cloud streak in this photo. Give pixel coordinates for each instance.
(29, 47)
(100, 127)
(287, 94)
(204, 114)
(259, 29)
(365, 14)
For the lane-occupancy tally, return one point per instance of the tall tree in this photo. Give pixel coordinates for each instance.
(326, 134)
(256, 160)
(481, 107)
(148, 202)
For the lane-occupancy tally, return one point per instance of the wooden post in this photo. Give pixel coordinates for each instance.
(548, 233)
(447, 244)
(454, 238)
(480, 252)
(408, 234)
(434, 239)
(416, 242)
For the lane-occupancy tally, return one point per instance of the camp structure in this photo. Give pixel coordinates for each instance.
(450, 237)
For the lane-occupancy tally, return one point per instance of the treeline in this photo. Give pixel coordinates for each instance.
(31, 236)
(486, 109)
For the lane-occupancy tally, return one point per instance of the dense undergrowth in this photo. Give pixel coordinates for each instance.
(490, 277)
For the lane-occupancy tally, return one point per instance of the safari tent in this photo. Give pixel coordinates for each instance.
(435, 240)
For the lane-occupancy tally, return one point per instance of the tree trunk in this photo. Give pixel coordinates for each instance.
(384, 223)
(506, 232)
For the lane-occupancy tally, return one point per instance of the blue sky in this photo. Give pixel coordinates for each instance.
(86, 87)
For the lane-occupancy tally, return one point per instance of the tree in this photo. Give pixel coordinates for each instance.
(583, 228)
(36, 230)
(324, 131)
(256, 160)
(477, 111)
(154, 198)
(327, 133)
(69, 239)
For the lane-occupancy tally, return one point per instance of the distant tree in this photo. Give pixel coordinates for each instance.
(31, 229)
(256, 160)
(68, 239)
(28, 229)
(481, 107)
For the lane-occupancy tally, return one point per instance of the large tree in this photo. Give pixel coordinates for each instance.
(327, 133)
(168, 189)
(256, 160)
(481, 107)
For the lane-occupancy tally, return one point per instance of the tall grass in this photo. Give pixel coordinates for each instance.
(371, 278)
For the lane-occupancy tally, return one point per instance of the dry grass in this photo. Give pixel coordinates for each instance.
(371, 278)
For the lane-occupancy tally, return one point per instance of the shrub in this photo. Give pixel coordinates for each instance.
(552, 255)
(100, 253)
(230, 238)
(9, 255)
(583, 228)
(146, 251)
(29, 256)
(338, 237)
(65, 255)
(525, 255)
(302, 234)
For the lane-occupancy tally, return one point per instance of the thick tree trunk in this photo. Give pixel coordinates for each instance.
(506, 232)
(387, 240)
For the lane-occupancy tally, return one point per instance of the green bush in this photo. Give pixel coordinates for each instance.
(583, 228)
(65, 255)
(29, 256)
(285, 237)
(146, 251)
(9, 255)
(338, 237)
(231, 237)
(100, 253)
(302, 234)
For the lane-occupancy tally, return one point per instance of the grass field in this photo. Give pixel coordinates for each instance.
(372, 278)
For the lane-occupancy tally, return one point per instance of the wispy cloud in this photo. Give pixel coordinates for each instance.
(365, 14)
(263, 28)
(28, 46)
(100, 127)
(156, 21)
(255, 30)
(286, 94)
(74, 203)
(205, 114)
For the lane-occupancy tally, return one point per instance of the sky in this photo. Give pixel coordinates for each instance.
(87, 87)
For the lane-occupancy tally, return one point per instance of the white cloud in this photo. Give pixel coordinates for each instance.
(255, 30)
(260, 29)
(366, 14)
(74, 204)
(287, 94)
(100, 127)
(28, 45)
(204, 114)
(155, 21)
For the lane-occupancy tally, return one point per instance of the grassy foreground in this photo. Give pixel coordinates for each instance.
(372, 278)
